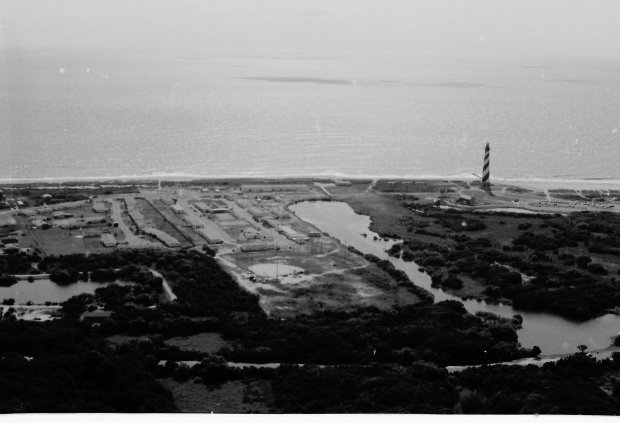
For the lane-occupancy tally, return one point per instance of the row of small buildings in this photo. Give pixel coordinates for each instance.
(144, 225)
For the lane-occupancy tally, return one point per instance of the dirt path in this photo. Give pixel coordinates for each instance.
(166, 286)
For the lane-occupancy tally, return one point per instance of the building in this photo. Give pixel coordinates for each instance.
(99, 207)
(163, 237)
(210, 239)
(61, 215)
(269, 222)
(281, 214)
(465, 200)
(177, 209)
(342, 183)
(201, 206)
(11, 248)
(137, 218)
(7, 241)
(211, 207)
(108, 240)
(39, 224)
(292, 234)
(244, 204)
(256, 212)
(258, 247)
(74, 223)
(250, 233)
(275, 188)
(91, 233)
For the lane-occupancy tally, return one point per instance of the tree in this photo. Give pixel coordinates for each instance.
(582, 348)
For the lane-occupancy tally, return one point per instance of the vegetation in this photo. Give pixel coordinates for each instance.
(558, 264)
(576, 384)
(361, 360)
(66, 367)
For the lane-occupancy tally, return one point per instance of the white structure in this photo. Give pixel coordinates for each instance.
(275, 188)
(292, 234)
(486, 168)
(162, 236)
(99, 207)
(108, 240)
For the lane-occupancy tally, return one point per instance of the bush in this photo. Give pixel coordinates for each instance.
(582, 261)
(452, 282)
(596, 269)
(7, 280)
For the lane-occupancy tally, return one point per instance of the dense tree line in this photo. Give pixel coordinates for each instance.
(576, 384)
(570, 386)
(66, 367)
(18, 263)
(202, 286)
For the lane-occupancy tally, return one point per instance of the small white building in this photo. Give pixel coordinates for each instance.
(108, 240)
(163, 237)
(61, 215)
(99, 207)
(342, 183)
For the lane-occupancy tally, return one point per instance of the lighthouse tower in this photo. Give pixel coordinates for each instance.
(486, 170)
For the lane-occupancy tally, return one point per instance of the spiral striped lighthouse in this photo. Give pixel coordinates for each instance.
(486, 169)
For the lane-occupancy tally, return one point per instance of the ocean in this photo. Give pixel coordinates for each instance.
(105, 114)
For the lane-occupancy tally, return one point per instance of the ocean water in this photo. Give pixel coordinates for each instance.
(77, 114)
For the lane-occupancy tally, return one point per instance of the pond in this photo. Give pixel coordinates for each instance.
(553, 334)
(44, 290)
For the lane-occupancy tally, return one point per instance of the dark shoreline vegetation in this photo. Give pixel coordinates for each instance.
(565, 265)
(361, 360)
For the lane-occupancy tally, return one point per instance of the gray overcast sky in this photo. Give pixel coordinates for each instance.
(471, 27)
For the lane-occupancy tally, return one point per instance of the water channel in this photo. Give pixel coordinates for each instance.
(554, 335)
(42, 290)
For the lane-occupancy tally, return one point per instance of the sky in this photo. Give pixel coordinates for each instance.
(566, 28)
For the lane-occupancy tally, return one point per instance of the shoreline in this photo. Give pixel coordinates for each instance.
(536, 183)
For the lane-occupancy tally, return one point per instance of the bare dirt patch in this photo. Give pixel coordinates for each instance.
(343, 289)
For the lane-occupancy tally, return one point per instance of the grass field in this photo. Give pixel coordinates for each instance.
(58, 241)
(117, 340)
(386, 211)
(230, 397)
(355, 188)
(337, 290)
(207, 342)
